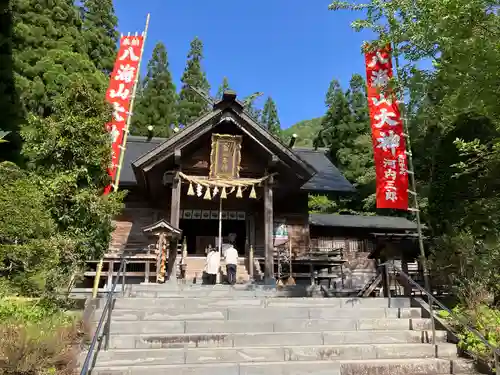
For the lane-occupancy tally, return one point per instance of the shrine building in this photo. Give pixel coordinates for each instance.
(226, 167)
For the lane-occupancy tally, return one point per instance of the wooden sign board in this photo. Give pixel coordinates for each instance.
(225, 156)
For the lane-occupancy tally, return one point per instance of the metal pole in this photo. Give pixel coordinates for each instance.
(220, 226)
(123, 276)
(108, 322)
(413, 192)
(387, 285)
(131, 108)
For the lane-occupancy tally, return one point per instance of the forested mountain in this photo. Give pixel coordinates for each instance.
(306, 131)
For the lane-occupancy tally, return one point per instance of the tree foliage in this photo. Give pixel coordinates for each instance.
(270, 119)
(53, 214)
(157, 99)
(191, 106)
(224, 86)
(453, 116)
(305, 130)
(250, 106)
(334, 131)
(99, 33)
(345, 131)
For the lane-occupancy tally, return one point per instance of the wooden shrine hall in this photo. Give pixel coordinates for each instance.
(223, 175)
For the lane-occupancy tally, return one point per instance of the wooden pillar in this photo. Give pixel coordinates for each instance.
(175, 207)
(175, 210)
(268, 231)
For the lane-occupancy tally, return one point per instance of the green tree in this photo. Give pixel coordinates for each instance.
(335, 132)
(157, 100)
(100, 34)
(346, 132)
(49, 53)
(250, 107)
(191, 106)
(453, 113)
(223, 87)
(355, 155)
(270, 119)
(70, 150)
(10, 108)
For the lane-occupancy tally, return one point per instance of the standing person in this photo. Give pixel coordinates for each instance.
(212, 266)
(231, 257)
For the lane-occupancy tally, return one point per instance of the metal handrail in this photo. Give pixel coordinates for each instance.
(433, 300)
(106, 313)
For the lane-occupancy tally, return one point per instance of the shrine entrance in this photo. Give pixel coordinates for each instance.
(199, 234)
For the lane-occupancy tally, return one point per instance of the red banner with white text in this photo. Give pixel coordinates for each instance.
(119, 95)
(389, 146)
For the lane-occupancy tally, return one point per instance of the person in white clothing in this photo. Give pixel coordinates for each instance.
(231, 256)
(212, 266)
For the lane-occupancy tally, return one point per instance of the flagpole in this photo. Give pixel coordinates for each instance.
(123, 146)
(413, 191)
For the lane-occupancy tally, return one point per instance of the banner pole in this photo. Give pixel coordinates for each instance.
(123, 146)
(411, 173)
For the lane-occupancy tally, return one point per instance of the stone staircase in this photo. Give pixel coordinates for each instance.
(249, 330)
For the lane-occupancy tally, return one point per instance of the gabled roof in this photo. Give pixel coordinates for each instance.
(359, 221)
(229, 109)
(327, 179)
(162, 226)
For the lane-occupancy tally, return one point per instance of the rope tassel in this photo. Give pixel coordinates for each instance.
(252, 194)
(239, 193)
(207, 194)
(190, 189)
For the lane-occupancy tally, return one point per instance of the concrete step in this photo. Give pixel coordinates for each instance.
(154, 357)
(419, 366)
(228, 301)
(261, 313)
(280, 325)
(204, 340)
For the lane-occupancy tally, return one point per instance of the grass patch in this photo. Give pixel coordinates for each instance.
(38, 338)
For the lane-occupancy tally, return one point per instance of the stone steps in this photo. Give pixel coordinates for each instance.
(407, 366)
(213, 340)
(243, 330)
(282, 325)
(262, 313)
(154, 357)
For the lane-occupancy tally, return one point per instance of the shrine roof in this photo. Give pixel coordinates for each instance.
(359, 221)
(328, 178)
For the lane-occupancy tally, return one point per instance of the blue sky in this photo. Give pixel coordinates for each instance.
(288, 49)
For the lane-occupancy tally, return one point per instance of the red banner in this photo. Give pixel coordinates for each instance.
(389, 146)
(119, 95)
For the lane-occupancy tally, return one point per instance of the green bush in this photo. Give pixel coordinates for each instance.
(485, 320)
(37, 337)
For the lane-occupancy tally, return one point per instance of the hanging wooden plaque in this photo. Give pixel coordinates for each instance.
(225, 156)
